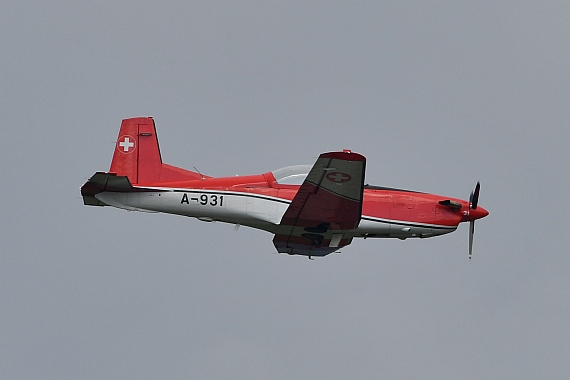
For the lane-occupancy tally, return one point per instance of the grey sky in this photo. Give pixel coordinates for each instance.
(436, 95)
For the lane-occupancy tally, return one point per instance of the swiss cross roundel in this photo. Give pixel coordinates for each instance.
(338, 177)
(126, 144)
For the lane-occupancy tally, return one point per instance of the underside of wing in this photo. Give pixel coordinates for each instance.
(327, 207)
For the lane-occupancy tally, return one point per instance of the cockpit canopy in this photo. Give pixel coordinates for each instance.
(291, 175)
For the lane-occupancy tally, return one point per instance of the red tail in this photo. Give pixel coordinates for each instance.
(137, 155)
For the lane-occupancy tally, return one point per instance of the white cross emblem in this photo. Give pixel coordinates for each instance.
(127, 144)
(338, 177)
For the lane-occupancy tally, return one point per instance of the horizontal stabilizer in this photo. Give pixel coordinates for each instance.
(101, 182)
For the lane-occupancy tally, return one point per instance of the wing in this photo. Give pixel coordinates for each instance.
(326, 208)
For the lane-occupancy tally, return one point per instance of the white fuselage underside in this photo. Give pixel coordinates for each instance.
(253, 210)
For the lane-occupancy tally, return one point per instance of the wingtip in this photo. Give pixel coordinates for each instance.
(345, 154)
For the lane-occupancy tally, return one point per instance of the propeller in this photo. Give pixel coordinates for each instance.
(474, 198)
(471, 232)
(473, 201)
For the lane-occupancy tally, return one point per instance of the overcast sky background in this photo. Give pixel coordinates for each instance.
(436, 95)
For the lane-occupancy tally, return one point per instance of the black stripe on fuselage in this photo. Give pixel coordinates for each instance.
(372, 187)
(408, 224)
(218, 192)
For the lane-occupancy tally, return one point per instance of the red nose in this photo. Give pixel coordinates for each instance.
(477, 213)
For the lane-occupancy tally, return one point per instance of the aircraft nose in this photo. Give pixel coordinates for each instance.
(478, 213)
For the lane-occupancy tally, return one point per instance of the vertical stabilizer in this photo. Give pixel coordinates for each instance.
(137, 155)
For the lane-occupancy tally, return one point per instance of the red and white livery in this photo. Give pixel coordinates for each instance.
(330, 208)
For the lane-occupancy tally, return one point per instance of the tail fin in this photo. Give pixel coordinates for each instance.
(137, 155)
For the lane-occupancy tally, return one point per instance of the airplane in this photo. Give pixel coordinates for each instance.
(324, 213)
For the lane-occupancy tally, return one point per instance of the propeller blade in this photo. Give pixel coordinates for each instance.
(471, 232)
(474, 199)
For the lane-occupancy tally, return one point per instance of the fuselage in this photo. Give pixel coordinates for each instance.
(311, 210)
(259, 201)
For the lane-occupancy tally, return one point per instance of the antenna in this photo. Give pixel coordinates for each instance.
(195, 168)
